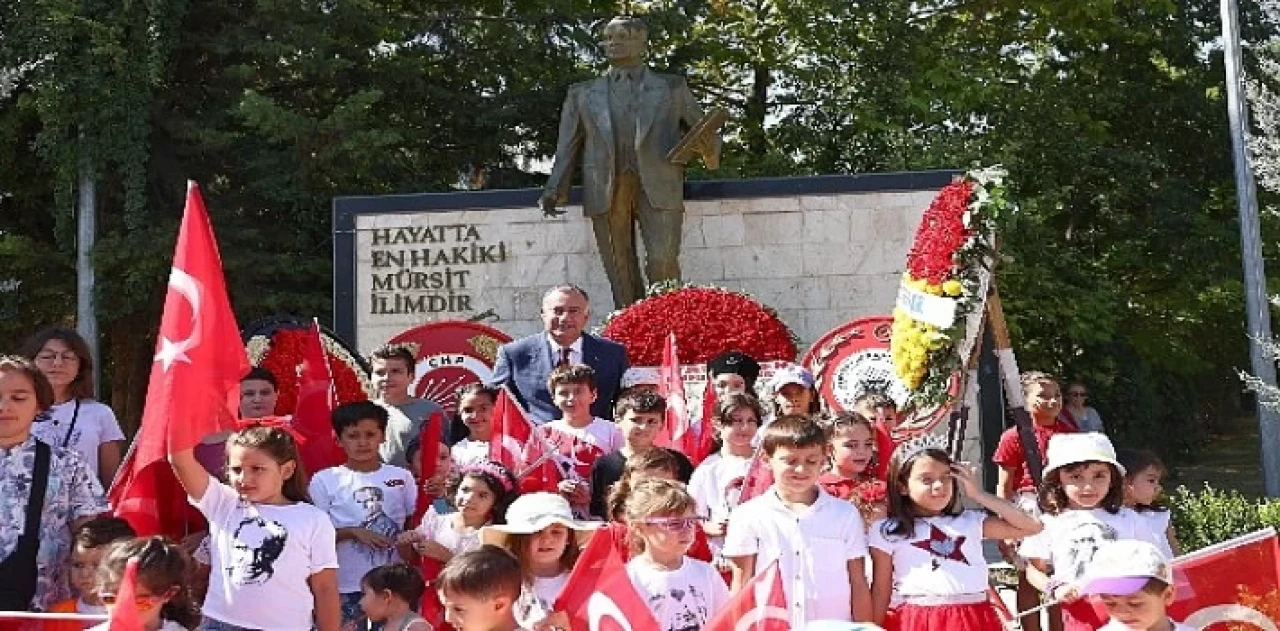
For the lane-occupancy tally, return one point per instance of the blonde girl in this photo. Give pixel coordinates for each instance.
(682, 593)
(267, 543)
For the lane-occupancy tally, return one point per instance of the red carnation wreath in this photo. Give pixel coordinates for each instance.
(278, 348)
(706, 320)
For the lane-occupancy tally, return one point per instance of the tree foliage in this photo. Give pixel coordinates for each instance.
(1122, 269)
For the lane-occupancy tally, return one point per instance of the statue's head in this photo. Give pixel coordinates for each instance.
(625, 40)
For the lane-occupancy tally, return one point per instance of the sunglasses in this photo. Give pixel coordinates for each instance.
(143, 602)
(673, 524)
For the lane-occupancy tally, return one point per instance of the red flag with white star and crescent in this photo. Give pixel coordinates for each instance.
(194, 386)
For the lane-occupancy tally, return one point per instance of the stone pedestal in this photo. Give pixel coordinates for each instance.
(819, 250)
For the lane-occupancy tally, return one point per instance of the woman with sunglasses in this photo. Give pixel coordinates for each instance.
(1084, 417)
(682, 593)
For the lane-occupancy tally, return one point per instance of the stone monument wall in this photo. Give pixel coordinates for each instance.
(820, 250)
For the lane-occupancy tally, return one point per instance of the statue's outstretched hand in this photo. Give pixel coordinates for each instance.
(548, 205)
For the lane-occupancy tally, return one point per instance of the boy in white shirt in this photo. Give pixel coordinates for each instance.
(368, 502)
(820, 542)
(577, 438)
(1134, 581)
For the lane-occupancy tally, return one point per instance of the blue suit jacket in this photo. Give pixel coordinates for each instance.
(524, 365)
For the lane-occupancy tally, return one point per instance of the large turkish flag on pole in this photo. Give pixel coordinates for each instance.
(194, 385)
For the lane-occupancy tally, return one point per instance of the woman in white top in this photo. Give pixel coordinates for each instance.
(76, 421)
(543, 535)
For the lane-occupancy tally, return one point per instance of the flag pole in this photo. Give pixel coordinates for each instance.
(1255, 289)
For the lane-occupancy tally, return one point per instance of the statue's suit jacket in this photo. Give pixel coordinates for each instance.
(586, 135)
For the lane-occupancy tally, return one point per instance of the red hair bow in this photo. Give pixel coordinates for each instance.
(282, 423)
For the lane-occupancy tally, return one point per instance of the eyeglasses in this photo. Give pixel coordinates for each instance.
(673, 524)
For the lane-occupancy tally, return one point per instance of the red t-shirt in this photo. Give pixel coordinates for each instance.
(1009, 452)
(884, 451)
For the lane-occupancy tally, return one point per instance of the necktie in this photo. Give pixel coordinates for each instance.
(564, 357)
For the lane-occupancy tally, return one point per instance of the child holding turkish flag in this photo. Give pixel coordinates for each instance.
(160, 598)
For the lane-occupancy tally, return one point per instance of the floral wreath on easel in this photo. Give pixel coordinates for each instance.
(947, 276)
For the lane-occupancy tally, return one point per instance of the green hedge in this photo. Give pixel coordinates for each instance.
(1208, 516)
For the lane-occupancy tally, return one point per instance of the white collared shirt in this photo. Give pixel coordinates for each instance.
(813, 549)
(575, 351)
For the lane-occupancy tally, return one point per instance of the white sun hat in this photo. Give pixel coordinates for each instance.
(1068, 449)
(532, 512)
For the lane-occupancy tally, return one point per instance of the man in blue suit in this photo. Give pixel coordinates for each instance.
(524, 365)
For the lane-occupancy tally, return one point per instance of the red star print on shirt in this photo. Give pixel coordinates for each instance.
(941, 546)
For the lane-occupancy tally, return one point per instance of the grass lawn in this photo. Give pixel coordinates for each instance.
(1228, 460)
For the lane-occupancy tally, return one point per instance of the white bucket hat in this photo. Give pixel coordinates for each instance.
(1069, 449)
(532, 512)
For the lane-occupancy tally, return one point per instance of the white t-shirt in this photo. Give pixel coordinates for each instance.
(468, 451)
(1071, 538)
(715, 485)
(536, 601)
(381, 501)
(943, 558)
(1158, 522)
(439, 528)
(94, 424)
(680, 599)
(263, 553)
(813, 548)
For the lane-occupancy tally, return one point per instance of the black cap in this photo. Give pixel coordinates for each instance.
(735, 362)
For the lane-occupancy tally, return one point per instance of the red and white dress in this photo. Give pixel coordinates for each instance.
(939, 574)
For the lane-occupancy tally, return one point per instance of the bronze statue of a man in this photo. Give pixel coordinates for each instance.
(621, 126)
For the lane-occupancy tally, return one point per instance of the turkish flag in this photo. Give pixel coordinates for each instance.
(194, 387)
(428, 457)
(675, 432)
(313, 416)
(599, 596)
(760, 606)
(517, 445)
(707, 430)
(1231, 585)
(758, 478)
(124, 615)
